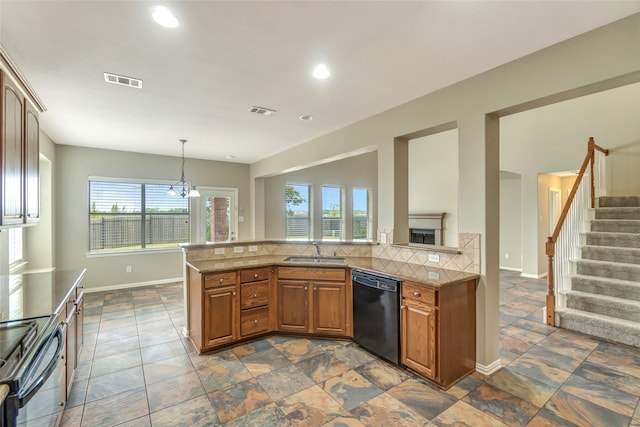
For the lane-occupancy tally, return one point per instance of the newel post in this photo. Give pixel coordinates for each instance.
(550, 247)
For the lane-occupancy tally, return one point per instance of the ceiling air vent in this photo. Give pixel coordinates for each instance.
(262, 110)
(122, 80)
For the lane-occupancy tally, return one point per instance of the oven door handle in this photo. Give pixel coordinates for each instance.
(24, 395)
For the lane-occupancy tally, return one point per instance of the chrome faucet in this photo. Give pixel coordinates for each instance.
(317, 245)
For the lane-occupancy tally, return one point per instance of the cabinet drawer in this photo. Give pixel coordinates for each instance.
(254, 294)
(254, 275)
(220, 279)
(254, 321)
(303, 273)
(418, 293)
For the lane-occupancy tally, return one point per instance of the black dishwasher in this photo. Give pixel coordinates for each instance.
(376, 314)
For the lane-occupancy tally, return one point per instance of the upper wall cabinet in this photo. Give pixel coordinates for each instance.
(31, 163)
(19, 156)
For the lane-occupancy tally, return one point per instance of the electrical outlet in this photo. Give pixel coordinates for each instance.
(434, 275)
(238, 249)
(383, 237)
(219, 251)
(434, 258)
(240, 218)
(253, 248)
(128, 269)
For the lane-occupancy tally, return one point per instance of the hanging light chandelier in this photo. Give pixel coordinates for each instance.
(183, 187)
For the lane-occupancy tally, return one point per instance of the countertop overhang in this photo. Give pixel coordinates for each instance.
(424, 274)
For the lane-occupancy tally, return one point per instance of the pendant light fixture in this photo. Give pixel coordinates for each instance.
(183, 187)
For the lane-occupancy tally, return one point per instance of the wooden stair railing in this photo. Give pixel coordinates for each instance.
(550, 246)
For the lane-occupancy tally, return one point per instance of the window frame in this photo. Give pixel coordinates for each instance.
(369, 232)
(342, 211)
(309, 208)
(143, 214)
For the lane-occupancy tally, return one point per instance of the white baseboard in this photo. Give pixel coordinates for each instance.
(510, 268)
(533, 276)
(131, 285)
(490, 368)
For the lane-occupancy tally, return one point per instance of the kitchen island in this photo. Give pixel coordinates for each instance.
(235, 299)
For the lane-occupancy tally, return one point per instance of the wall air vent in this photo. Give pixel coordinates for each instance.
(262, 110)
(122, 80)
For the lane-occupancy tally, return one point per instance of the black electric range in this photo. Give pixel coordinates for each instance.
(32, 344)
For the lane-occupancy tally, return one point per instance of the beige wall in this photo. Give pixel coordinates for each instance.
(73, 167)
(358, 171)
(510, 221)
(433, 179)
(554, 74)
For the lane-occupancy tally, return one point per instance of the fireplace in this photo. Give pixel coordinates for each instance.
(426, 228)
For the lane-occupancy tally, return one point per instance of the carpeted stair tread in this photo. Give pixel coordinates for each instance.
(618, 201)
(614, 270)
(601, 238)
(601, 304)
(602, 326)
(616, 225)
(612, 254)
(606, 286)
(618, 213)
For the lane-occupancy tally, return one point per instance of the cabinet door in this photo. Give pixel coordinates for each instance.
(79, 326)
(12, 166)
(418, 336)
(293, 306)
(31, 164)
(219, 317)
(72, 323)
(329, 308)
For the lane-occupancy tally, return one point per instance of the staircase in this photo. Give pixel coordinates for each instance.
(605, 296)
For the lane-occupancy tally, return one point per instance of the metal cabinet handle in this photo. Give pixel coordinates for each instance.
(221, 280)
(255, 322)
(255, 276)
(315, 289)
(233, 293)
(416, 294)
(305, 288)
(255, 295)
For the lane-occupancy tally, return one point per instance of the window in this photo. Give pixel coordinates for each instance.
(130, 216)
(362, 214)
(298, 212)
(332, 213)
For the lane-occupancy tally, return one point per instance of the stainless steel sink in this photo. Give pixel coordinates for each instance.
(327, 259)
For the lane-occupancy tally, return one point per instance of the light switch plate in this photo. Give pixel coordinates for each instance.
(434, 275)
(253, 248)
(383, 237)
(434, 258)
(238, 249)
(219, 251)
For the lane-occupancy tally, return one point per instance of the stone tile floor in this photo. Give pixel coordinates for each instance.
(136, 370)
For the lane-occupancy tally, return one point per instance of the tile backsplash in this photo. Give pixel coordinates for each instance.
(466, 258)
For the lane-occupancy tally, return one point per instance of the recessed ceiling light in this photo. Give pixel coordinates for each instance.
(321, 71)
(164, 17)
(306, 118)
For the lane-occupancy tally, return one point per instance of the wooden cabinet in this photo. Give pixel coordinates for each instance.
(438, 330)
(219, 316)
(256, 316)
(11, 130)
(19, 156)
(213, 306)
(314, 300)
(74, 330)
(293, 306)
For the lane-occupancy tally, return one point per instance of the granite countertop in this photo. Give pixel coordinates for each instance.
(36, 294)
(403, 270)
